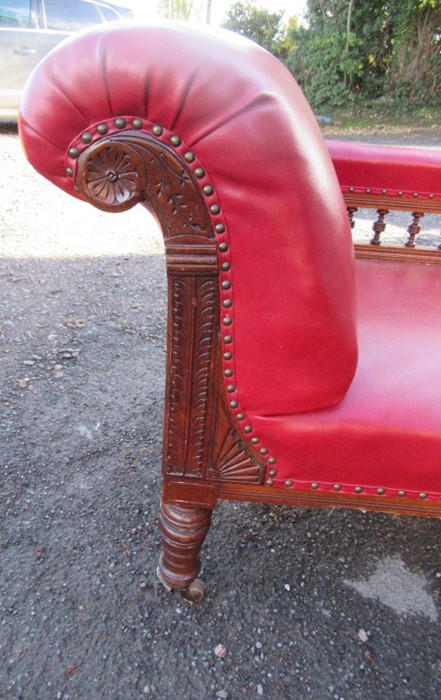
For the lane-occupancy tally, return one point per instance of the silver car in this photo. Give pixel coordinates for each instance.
(29, 29)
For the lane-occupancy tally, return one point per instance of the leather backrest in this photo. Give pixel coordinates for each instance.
(241, 112)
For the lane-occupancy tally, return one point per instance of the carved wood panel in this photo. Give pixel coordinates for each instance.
(201, 441)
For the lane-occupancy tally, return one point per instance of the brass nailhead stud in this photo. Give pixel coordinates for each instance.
(270, 482)
(225, 266)
(157, 130)
(86, 137)
(272, 460)
(314, 485)
(102, 129)
(400, 193)
(272, 472)
(247, 429)
(358, 489)
(223, 247)
(368, 190)
(219, 228)
(288, 483)
(231, 388)
(175, 140)
(401, 493)
(416, 194)
(137, 123)
(207, 190)
(74, 152)
(215, 208)
(380, 491)
(351, 189)
(189, 156)
(227, 321)
(423, 494)
(383, 191)
(431, 196)
(228, 339)
(228, 355)
(120, 123)
(233, 404)
(69, 172)
(199, 172)
(254, 440)
(240, 416)
(226, 284)
(337, 487)
(228, 372)
(263, 451)
(227, 303)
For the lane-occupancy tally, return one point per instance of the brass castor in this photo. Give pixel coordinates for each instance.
(192, 594)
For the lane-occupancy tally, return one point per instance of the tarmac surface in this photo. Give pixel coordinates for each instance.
(299, 603)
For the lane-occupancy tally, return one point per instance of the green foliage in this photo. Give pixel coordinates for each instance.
(176, 9)
(264, 27)
(363, 49)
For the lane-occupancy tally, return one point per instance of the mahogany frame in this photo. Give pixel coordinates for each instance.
(206, 455)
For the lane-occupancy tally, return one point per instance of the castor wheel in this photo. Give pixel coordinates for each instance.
(194, 592)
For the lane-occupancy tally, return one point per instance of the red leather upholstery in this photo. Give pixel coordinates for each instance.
(386, 433)
(403, 172)
(249, 125)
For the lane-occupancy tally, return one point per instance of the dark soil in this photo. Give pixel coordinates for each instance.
(299, 603)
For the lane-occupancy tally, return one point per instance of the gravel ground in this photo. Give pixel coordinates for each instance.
(299, 604)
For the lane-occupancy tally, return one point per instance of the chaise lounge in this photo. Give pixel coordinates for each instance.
(297, 373)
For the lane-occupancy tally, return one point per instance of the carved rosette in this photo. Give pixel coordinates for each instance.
(201, 440)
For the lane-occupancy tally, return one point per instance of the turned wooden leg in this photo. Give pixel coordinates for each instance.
(183, 532)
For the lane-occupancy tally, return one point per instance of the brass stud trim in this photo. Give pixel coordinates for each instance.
(102, 129)
(225, 266)
(120, 123)
(199, 172)
(380, 491)
(189, 156)
(247, 429)
(227, 303)
(231, 388)
(227, 321)
(358, 489)
(228, 356)
(228, 339)
(423, 494)
(255, 440)
(223, 247)
(86, 137)
(69, 172)
(137, 123)
(288, 483)
(215, 209)
(234, 404)
(337, 487)
(272, 472)
(208, 190)
(240, 416)
(74, 152)
(270, 482)
(157, 130)
(401, 493)
(228, 372)
(314, 485)
(176, 141)
(263, 451)
(219, 228)
(226, 284)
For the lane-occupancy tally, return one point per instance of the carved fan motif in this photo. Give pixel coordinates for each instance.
(233, 463)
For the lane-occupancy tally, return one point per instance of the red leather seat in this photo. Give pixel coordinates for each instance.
(384, 438)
